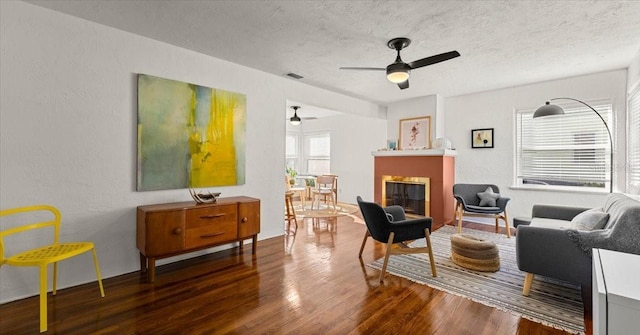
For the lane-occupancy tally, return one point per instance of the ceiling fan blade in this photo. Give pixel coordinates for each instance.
(363, 68)
(404, 84)
(434, 59)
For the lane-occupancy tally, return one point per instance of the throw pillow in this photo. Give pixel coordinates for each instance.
(488, 198)
(590, 219)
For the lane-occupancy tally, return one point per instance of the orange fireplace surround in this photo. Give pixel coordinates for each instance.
(440, 169)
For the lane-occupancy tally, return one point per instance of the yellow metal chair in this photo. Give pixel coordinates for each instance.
(41, 257)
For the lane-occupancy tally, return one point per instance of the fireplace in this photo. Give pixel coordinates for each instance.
(436, 166)
(412, 193)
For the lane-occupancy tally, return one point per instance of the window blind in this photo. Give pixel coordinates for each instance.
(317, 153)
(570, 150)
(292, 151)
(633, 143)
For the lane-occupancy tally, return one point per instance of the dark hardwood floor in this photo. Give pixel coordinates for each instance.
(308, 283)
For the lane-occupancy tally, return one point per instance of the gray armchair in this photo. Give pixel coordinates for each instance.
(389, 225)
(469, 203)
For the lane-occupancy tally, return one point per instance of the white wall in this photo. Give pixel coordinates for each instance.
(633, 77)
(422, 106)
(353, 138)
(496, 109)
(68, 132)
(439, 130)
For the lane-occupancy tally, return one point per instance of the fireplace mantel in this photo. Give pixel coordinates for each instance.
(430, 152)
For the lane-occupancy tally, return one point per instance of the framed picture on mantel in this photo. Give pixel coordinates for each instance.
(415, 133)
(392, 145)
(482, 138)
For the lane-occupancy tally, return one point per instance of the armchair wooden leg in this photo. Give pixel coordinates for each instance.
(497, 217)
(528, 279)
(506, 224)
(364, 241)
(427, 237)
(386, 256)
(455, 215)
(459, 218)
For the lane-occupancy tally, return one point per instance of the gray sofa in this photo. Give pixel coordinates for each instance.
(552, 246)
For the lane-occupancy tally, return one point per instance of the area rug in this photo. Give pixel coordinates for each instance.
(554, 303)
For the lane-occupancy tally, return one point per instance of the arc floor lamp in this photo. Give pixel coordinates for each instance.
(548, 110)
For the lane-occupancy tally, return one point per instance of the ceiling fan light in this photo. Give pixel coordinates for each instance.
(398, 77)
(398, 72)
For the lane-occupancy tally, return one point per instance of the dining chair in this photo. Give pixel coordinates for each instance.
(300, 190)
(290, 212)
(334, 187)
(42, 256)
(324, 190)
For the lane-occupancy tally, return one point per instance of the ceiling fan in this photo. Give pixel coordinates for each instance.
(398, 71)
(295, 119)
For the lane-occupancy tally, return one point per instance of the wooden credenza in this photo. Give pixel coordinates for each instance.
(165, 230)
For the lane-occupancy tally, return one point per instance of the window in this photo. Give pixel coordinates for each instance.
(292, 152)
(633, 142)
(317, 153)
(570, 151)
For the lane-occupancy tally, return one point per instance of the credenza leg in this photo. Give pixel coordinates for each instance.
(254, 247)
(151, 274)
(143, 263)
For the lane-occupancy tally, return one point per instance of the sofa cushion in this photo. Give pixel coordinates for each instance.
(550, 223)
(589, 220)
(488, 198)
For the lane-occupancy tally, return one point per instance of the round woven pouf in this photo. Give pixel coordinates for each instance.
(475, 254)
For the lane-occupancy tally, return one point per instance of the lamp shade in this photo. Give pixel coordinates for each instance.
(548, 110)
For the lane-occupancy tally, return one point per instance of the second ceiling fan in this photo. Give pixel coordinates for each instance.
(398, 71)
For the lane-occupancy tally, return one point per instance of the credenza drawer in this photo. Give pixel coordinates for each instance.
(208, 216)
(211, 234)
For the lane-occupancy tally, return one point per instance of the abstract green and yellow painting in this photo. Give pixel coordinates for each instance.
(189, 135)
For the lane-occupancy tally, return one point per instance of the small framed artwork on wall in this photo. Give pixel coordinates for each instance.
(415, 133)
(482, 138)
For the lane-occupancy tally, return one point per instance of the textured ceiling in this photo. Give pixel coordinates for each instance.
(502, 43)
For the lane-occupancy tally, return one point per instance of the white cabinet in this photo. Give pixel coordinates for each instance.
(616, 293)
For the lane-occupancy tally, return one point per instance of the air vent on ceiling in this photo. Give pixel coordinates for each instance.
(294, 75)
